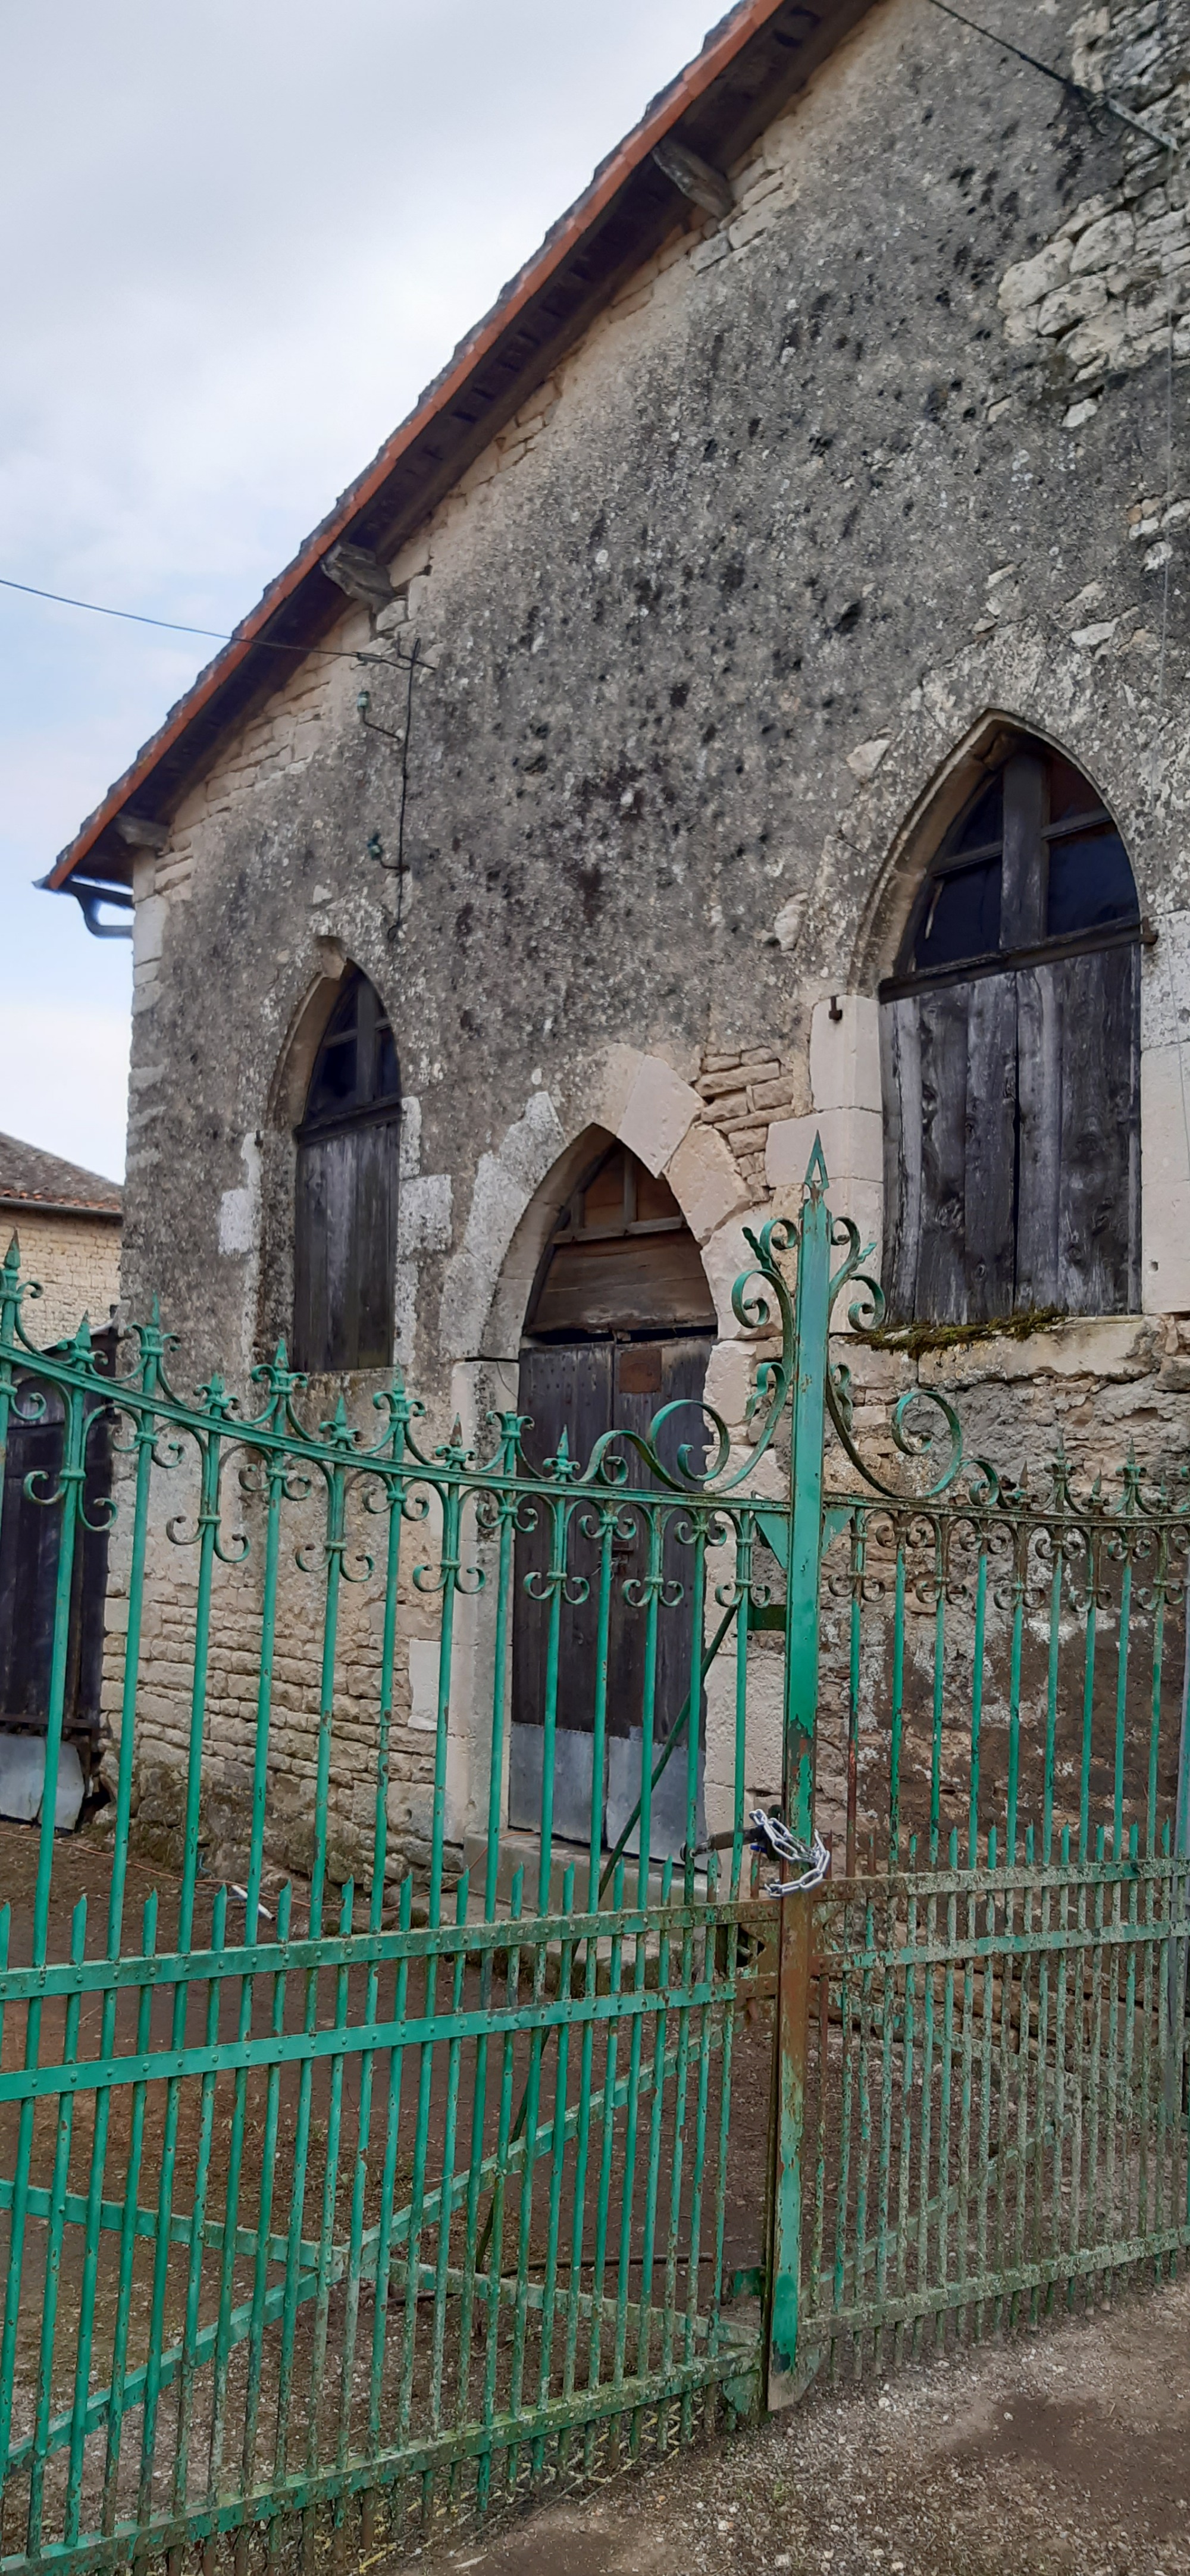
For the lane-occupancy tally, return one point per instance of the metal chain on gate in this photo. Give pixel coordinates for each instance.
(812, 1859)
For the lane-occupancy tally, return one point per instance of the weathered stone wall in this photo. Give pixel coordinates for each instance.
(76, 1262)
(709, 634)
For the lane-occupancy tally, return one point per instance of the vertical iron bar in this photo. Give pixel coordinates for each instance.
(115, 2412)
(802, 1612)
(55, 2230)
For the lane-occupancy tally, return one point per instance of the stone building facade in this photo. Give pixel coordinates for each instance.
(67, 1224)
(864, 454)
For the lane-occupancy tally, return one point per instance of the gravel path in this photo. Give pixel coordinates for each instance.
(1068, 2449)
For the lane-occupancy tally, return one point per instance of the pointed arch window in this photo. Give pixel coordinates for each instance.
(345, 1239)
(1010, 1038)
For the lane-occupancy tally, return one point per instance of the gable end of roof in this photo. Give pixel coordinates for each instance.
(750, 67)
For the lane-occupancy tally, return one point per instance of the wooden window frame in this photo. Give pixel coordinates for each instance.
(344, 1309)
(1004, 1191)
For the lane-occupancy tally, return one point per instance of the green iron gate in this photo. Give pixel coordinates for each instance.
(358, 2157)
(353, 2162)
(983, 2046)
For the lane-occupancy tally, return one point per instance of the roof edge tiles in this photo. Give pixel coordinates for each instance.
(750, 66)
(41, 1184)
(96, 1211)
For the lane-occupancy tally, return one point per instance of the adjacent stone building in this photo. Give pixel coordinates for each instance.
(67, 1226)
(67, 1223)
(746, 699)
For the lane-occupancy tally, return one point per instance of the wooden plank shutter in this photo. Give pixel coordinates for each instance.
(1098, 1218)
(950, 1090)
(1011, 1071)
(1039, 1147)
(374, 1220)
(345, 1248)
(900, 1056)
(989, 1179)
(1012, 1143)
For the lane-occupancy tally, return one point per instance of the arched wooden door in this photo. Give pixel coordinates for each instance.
(621, 1322)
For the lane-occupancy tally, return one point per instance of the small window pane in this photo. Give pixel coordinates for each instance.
(962, 917)
(603, 1198)
(388, 1080)
(984, 823)
(655, 1201)
(1090, 884)
(356, 1066)
(1069, 791)
(333, 1086)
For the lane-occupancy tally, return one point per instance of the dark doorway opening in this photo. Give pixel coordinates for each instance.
(620, 1324)
(30, 1549)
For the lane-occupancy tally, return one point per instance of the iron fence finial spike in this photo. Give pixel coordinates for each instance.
(816, 1170)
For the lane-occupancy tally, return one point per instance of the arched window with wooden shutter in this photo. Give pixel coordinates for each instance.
(1010, 1037)
(345, 1241)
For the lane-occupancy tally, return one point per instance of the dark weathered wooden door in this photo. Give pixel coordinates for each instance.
(585, 1389)
(30, 1547)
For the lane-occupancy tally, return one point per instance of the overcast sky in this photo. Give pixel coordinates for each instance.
(238, 238)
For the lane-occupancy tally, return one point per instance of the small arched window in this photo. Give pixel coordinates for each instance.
(345, 1241)
(1010, 1039)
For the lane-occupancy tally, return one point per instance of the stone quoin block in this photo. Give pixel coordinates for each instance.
(659, 1109)
(705, 1181)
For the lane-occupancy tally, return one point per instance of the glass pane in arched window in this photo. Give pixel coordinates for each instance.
(356, 1065)
(1091, 885)
(962, 918)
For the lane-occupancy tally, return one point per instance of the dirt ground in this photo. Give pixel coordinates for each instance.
(1068, 2449)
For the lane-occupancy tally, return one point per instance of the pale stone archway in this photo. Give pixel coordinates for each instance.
(519, 1193)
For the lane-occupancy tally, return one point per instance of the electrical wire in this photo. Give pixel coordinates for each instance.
(215, 634)
(1088, 98)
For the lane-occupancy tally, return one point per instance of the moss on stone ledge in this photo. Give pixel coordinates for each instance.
(915, 1339)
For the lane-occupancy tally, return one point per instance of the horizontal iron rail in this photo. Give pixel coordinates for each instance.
(138, 1969)
(267, 2502)
(286, 1440)
(494, 2169)
(1026, 1875)
(427, 2283)
(979, 2288)
(113, 2215)
(943, 1953)
(301, 2047)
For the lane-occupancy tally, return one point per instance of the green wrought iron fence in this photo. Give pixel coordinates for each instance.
(358, 2156)
(350, 2162)
(997, 2075)
(983, 2019)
